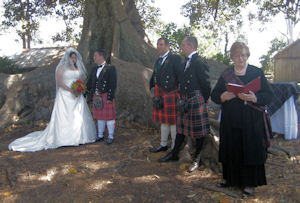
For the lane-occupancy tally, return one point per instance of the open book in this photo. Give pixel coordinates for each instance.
(253, 86)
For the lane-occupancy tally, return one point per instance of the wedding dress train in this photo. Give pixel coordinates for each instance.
(71, 122)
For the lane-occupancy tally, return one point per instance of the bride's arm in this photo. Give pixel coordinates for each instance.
(59, 80)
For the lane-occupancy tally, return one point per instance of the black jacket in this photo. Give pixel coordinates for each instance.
(105, 83)
(168, 75)
(237, 115)
(195, 77)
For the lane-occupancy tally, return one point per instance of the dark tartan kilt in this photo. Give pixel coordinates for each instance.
(168, 113)
(108, 112)
(195, 122)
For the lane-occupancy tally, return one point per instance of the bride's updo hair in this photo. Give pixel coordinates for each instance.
(71, 53)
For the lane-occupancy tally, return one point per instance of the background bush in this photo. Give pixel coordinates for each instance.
(8, 66)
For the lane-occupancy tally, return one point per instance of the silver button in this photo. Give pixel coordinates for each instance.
(167, 81)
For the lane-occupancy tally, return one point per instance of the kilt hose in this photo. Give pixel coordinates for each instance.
(168, 113)
(195, 122)
(108, 112)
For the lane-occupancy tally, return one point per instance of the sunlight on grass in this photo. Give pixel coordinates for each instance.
(86, 152)
(100, 184)
(9, 153)
(8, 196)
(202, 174)
(66, 169)
(95, 165)
(27, 176)
(147, 179)
(50, 174)
(271, 200)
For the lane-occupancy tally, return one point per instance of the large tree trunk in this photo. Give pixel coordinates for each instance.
(24, 41)
(114, 26)
(28, 40)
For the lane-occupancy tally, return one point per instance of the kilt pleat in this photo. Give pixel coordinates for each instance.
(168, 114)
(108, 112)
(195, 122)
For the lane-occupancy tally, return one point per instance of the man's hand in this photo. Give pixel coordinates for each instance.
(108, 102)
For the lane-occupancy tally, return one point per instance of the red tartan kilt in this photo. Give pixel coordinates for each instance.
(108, 112)
(195, 122)
(168, 113)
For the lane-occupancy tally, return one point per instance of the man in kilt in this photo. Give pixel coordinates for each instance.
(194, 89)
(164, 82)
(101, 88)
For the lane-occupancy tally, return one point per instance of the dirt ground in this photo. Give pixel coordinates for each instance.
(126, 172)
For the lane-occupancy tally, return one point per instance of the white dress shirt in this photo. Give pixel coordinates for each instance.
(189, 60)
(100, 69)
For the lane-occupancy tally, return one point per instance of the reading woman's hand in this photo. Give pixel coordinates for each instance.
(248, 97)
(226, 96)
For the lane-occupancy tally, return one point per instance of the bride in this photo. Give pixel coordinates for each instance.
(71, 121)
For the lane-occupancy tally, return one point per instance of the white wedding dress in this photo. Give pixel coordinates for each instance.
(71, 122)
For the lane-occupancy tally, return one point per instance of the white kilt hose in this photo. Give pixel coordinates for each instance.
(195, 121)
(108, 112)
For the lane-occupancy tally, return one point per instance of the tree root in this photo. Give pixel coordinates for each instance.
(276, 149)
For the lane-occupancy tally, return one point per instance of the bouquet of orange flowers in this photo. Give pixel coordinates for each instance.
(78, 87)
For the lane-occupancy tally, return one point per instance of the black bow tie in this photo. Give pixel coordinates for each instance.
(100, 66)
(187, 59)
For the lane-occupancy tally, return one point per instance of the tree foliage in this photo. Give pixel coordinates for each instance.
(267, 59)
(71, 12)
(8, 66)
(289, 8)
(224, 18)
(220, 19)
(24, 17)
(149, 14)
(175, 35)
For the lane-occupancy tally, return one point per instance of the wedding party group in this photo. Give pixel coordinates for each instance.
(180, 91)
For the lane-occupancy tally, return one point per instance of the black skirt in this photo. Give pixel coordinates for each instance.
(235, 172)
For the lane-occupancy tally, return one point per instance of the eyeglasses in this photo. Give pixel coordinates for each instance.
(243, 56)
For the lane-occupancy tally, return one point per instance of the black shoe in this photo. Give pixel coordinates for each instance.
(222, 185)
(158, 149)
(193, 167)
(99, 139)
(169, 157)
(109, 141)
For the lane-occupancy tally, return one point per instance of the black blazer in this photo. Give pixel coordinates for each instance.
(195, 77)
(105, 83)
(167, 77)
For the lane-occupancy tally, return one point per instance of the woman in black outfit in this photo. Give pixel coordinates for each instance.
(243, 137)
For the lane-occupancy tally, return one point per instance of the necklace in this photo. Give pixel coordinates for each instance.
(240, 72)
